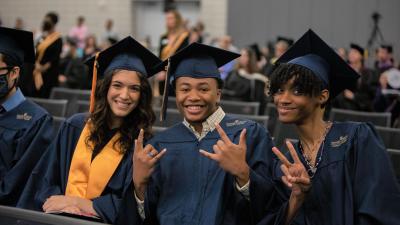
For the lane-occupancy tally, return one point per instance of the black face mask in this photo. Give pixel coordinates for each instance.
(47, 25)
(3, 86)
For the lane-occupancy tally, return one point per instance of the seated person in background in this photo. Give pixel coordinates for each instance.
(244, 83)
(384, 58)
(281, 46)
(25, 128)
(361, 97)
(73, 71)
(88, 167)
(387, 98)
(216, 168)
(338, 172)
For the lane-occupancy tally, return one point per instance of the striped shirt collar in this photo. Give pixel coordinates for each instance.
(208, 125)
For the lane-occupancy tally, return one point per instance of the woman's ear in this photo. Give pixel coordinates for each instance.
(323, 97)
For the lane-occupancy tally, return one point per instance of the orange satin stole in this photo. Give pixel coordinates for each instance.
(87, 179)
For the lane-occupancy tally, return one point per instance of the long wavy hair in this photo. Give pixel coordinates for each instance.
(251, 66)
(142, 117)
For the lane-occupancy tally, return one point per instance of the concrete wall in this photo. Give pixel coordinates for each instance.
(214, 13)
(338, 22)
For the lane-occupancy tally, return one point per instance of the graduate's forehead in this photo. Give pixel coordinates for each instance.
(289, 84)
(191, 81)
(126, 77)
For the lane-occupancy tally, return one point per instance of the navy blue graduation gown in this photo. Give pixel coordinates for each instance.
(354, 183)
(25, 132)
(188, 188)
(50, 176)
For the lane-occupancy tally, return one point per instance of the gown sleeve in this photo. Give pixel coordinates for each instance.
(28, 150)
(261, 160)
(108, 206)
(376, 191)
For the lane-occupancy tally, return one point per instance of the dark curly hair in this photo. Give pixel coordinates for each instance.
(142, 117)
(304, 80)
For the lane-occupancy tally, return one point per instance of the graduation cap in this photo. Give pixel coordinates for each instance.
(311, 52)
(360, 49)
(17, 44)
(197, 61)
(127, 54)
(288, 41)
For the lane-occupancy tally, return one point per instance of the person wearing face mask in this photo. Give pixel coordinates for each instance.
(48, 50)
(25, 128)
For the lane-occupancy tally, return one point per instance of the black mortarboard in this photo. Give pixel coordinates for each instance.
(127, 54)
(197, 61)
(358, 48)
(312, 52)
(289, 41)
(17, 44)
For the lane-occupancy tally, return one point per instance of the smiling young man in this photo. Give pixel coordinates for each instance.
(216, 168)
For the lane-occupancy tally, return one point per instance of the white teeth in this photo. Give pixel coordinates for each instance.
(194, 107)
(122, 104)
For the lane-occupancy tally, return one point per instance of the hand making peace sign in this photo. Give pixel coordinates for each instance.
(295, 174)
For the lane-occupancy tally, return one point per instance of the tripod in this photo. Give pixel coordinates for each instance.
(376, 31)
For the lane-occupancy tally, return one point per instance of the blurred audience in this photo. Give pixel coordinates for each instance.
(109, 31)
(225, 42)
(175, 38)
(384, 58)
(245, 83)
(73, 70)
(363, 94)
(281, 46)
(48, 50)
(19, 24)
(90, 46)
(342, 52)
(79, 32)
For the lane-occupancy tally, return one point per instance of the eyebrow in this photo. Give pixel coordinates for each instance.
(197, 84)
(119, 82)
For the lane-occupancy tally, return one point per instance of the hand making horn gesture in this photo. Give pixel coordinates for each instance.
(144, 161)
(295, 174)
(231, 157)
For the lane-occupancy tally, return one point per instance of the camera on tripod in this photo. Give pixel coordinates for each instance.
(376, 17)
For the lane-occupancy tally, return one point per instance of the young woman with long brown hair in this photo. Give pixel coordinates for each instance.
(87, 168)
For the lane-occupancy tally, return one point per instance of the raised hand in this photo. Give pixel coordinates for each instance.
(295, 174)
(144, 161)
(231, 157)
